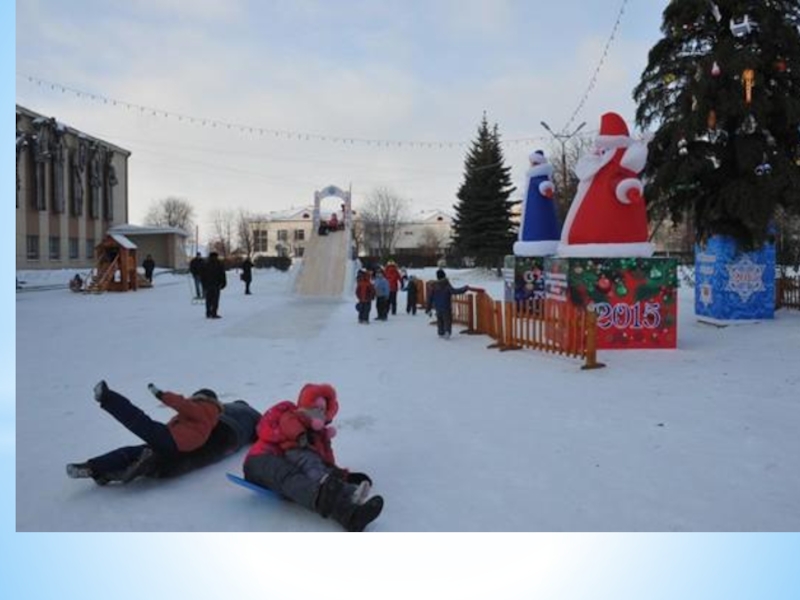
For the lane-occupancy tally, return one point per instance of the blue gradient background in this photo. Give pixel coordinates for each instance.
(342, 567)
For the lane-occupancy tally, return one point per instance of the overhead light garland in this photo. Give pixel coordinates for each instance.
(150, 111)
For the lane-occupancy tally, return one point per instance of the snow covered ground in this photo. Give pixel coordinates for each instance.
(456, 437)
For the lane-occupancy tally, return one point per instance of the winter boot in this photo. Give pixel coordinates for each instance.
(336, 500)
(100, 390)
(79, 471)
(365, 513)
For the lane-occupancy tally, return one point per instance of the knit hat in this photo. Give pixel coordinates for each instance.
(207, 395)
(440, 274)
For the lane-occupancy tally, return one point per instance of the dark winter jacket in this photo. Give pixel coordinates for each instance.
(441, 295)
(247, 270)
(411, 289)
(196, 266)
(149, 264)
(213, 276)
(195, 420)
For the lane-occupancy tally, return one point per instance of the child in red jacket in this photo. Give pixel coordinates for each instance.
(187, 431)
(294, 457)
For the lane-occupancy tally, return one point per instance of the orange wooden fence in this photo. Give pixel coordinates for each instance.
(544, 325)
(787, 292)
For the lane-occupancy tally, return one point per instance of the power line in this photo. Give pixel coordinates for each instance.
(601, 62)
(153, 112)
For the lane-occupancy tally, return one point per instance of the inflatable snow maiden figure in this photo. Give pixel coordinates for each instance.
(539, 230)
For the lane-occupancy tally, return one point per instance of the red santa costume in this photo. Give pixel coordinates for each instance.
(608, 216)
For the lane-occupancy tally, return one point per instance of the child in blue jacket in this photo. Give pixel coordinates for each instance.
(441, 298)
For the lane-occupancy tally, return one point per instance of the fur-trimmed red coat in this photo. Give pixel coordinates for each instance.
(279, 427)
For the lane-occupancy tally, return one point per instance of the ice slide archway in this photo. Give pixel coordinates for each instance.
(326, 192)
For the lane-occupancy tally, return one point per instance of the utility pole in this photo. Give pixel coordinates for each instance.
(563, 138)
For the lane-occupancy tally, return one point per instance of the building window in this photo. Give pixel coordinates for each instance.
(299, 235)
(299, 251)
(283, 235)
(260, 240)
(55, 247)
(73, 247)
(90, 248)
(33, 247)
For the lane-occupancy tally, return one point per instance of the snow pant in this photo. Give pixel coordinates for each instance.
(212, 301)
(155, 434)
(198, 287)
(382, 306)
(444, 322)
(247, 285)
(363, 311)
(411, 303)
(236, 428)
(393, 302)
(115, 461)
(297, 474)
(148, 275)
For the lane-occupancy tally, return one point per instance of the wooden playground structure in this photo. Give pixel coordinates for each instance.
(115, 267)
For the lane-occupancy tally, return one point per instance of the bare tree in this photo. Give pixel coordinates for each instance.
(431, 241)
(224, 222)
(244, 229)
(381, 215)
(564, 157)
(171, 212)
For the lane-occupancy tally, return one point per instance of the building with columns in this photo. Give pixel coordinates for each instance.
(71, 188)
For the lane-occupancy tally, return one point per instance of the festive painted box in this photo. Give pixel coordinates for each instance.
(731, 285)
(523, 278)
(635, 299)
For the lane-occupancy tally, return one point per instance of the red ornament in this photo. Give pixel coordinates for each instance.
(603, 284)
(715, 70)
(780, 65)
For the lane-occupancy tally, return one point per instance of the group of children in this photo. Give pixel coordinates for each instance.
(383, 284)
(291, 455)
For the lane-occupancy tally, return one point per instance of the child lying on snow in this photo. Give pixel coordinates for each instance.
(203, 432)
(293, 456)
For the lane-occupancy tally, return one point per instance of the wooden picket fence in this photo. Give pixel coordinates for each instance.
(543, 325)
(787, 292)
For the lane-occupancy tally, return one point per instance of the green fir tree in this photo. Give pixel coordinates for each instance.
(722, 89)
(482, 227)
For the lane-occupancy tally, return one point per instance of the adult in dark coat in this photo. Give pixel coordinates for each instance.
(441, 298)
(149, 266)
(214, 281)
(196, 269)
(247, 274)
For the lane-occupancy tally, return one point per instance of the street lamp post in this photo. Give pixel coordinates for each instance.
(563, 138)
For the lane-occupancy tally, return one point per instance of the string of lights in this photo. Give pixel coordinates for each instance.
(255, 130)
(601, 62)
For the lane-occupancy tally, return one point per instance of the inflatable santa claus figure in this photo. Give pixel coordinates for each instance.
(608, 216)
(539, 230)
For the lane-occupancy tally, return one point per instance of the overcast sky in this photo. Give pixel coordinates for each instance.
(406, 71)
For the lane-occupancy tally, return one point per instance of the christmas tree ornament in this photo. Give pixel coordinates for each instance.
(780, 65)
(621, 290)
(749, 125)
(748, 81)
(715, 10)
(683, 147)
(711, 121)
(742, 26)
(669, 78)
(715, 70)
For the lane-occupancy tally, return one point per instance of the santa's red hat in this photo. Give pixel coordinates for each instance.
(613, 132)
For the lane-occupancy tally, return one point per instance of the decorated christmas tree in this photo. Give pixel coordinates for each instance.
(722, 92)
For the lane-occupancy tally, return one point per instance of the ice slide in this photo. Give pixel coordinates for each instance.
(325, 265)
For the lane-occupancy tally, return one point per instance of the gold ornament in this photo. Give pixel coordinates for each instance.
(748, 81)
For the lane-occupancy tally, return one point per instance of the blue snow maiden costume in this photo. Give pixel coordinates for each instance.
(539, 231)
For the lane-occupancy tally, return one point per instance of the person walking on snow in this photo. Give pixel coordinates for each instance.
(187, 431)
(393, 276)
(149, 266)
(293, 456)
(381, 295)
(365, 292)
(196, 269)
(247, 274)
(214, 281)
(411, 295)
(441, 298)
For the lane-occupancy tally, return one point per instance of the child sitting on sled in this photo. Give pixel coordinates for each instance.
(293, 456)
